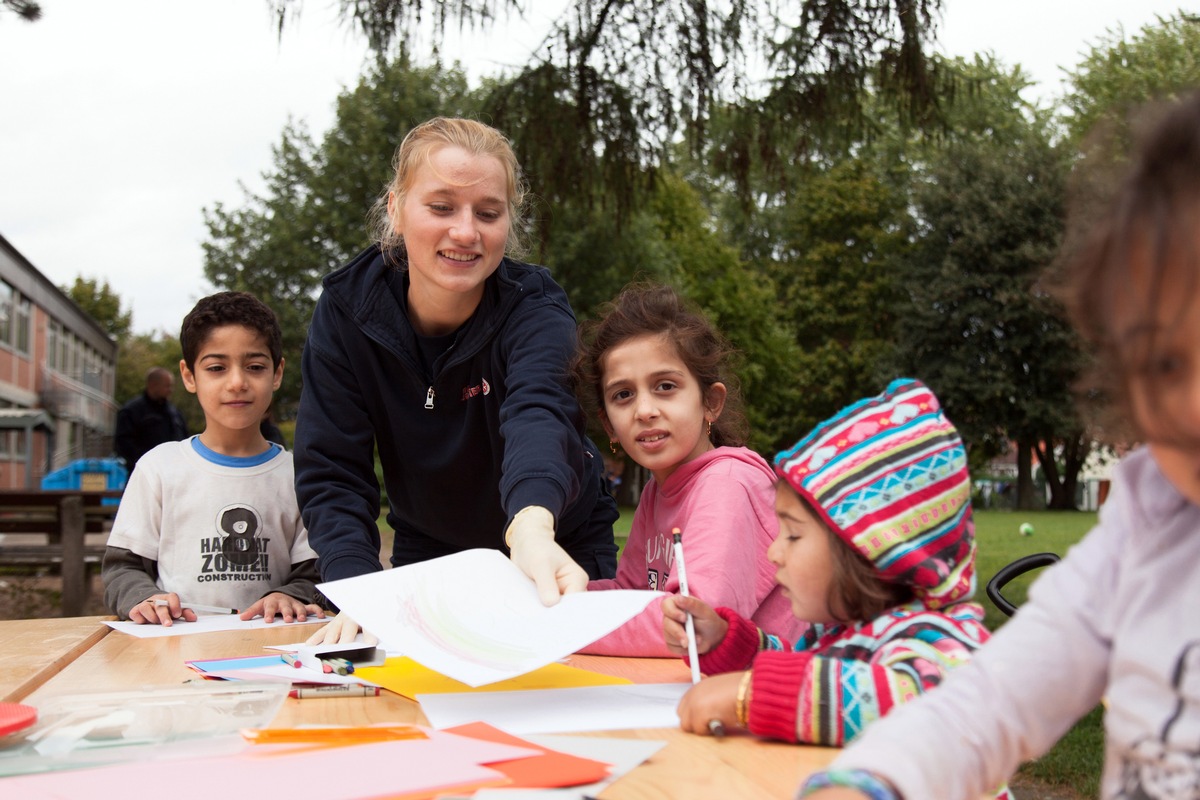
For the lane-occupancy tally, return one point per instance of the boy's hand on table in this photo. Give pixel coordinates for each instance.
(709, 625)
(530, 538)
(285, 606)
(341, 630)
(714, 697)
(147, 613)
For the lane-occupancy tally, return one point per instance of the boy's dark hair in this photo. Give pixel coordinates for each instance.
(1147, 226)
(229, 308)
(650, 309)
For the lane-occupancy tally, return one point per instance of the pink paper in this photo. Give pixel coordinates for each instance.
(384, 769)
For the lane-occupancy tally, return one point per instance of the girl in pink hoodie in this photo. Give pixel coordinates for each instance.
(658, 372)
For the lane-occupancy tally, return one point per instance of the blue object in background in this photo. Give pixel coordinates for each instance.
(91, 474)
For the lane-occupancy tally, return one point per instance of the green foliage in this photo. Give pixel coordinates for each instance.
(977, 325)
(100, 302)
(838, 237)
(1106, 103)
(1120, 73)
(975, 329)
(626, 79)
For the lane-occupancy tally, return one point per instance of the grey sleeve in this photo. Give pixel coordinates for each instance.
(128, 579)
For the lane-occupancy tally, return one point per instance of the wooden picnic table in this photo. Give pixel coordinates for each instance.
(696, 767)
(53, 527)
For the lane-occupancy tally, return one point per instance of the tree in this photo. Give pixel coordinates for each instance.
(978, 328)
(641, 72)
(840, 236)
(100, 302)
(1119, 73)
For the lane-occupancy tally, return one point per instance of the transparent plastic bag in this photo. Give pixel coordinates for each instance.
(190, 719)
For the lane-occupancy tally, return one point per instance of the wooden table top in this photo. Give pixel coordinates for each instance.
(700, 767)
(34, 650)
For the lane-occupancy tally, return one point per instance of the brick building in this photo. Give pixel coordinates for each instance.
(57, 377)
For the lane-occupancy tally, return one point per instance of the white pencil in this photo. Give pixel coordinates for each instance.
(693, 656)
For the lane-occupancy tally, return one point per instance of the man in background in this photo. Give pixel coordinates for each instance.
(149, 419)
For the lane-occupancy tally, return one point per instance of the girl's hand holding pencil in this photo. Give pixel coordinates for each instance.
(710, 627)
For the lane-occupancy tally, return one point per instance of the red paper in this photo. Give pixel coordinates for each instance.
(550, 770)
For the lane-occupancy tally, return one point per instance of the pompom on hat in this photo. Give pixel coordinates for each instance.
(888, 475)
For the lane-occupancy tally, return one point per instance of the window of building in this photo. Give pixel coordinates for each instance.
(53, 333)
(6, 313)
(21, 323)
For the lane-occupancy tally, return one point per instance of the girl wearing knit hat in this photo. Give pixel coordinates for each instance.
(1117, 618)
(656, 371)
(876, 549)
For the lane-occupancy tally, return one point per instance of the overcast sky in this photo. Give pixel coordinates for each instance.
(119, 122)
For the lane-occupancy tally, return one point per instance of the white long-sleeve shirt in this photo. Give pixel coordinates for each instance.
(1118, 618)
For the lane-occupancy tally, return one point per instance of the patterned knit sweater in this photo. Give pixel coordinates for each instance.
(838, 679)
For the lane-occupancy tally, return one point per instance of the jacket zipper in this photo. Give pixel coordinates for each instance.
(429, 398)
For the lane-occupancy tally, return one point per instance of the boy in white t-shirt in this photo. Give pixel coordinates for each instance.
(213, 520)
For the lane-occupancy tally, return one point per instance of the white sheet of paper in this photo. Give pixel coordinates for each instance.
(586, 708)
(205, 623)
(475, 617)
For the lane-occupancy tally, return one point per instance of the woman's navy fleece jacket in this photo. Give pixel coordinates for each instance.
(490, 428)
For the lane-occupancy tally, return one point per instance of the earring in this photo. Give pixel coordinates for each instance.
(709, 429)
(612, 445)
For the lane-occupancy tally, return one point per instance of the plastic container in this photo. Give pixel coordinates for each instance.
(90, 474)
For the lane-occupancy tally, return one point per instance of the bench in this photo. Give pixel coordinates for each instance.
(51, 527)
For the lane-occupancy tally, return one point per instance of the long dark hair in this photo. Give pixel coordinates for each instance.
(645, 308)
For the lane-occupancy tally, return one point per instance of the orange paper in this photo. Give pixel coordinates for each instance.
(550, 770)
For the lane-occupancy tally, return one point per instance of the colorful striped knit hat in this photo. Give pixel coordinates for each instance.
(889, 476)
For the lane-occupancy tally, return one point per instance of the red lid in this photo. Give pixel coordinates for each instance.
(14, 717)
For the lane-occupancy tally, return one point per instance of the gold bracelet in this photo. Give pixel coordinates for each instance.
(743, 698)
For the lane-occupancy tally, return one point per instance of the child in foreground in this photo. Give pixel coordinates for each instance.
(657, 371)
(1115, 619)
(876, 549)
(213, 519)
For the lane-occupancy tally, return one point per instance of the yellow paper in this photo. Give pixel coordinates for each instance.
(404, 676)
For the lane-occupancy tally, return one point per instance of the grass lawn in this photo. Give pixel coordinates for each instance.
(1072, 768)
